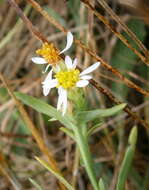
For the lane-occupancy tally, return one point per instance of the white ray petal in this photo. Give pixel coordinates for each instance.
(82, 83)
(50, 84)
(69, 42)
(74, 63)
(90, 69)
(49, 77)
(60, 98)
(64, 109)
(47, 67)
(46, 91)
(68, 62)
(86, 77)
(39, 60)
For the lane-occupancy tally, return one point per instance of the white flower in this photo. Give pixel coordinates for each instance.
(50, 55)
(66, 80)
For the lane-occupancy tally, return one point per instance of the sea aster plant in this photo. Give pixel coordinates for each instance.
(50, 55)
(65, 80)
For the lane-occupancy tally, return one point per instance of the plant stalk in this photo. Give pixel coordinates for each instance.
(86, 156)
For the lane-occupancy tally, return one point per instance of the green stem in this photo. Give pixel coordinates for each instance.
(86, 156)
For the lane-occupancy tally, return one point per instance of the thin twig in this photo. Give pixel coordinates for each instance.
(47, 16)
(29, 25)
(113, 70)
(119, 35)
(104, 4)
(12, 135)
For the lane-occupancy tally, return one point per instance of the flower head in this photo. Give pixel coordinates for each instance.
(49, 54)
(67, 79)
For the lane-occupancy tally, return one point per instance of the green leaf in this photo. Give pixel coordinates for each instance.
(45, 108)
(101, 185)
(73, 7)
(57, 175)
(133, 136)
(55, 15)
(123, 58)
(52, 119)
(92, 129)
(3, 94)
(68, 132)
(86, 116)
(126, 164)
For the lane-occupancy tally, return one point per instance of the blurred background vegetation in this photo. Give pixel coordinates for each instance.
(108, 143)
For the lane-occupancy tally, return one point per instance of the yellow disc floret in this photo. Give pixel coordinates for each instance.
(49, 53)
(68, 79)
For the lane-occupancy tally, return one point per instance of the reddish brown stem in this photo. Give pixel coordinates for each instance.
(119, 35)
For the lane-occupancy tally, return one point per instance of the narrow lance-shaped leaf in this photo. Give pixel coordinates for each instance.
(45, 108)
(92, 129)
(101, 185)
(85, 116)
(68, 132)
(126, 164)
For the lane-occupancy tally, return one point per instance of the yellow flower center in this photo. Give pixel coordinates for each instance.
(49, 53)
(68, 79)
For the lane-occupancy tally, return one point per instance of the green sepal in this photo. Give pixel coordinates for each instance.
(78, 99)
